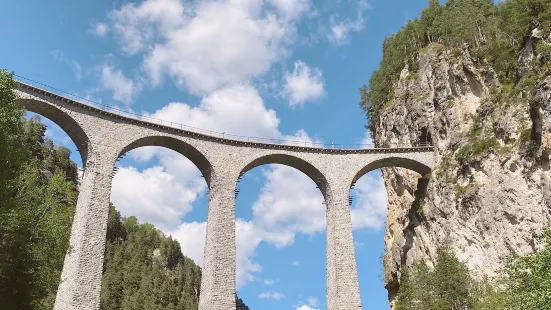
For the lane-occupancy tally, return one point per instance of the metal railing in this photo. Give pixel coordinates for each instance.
(206, 132)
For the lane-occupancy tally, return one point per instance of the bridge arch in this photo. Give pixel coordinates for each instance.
(363, 195)
(394, 161)
(61, 118)
(294, 162)
(177, 145)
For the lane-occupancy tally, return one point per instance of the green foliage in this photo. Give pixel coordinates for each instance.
(38, 194)
(495, 32)
(144, 269)
(525, 134)
(528, 280)
(460, 190)
(524, 284)
(444, 166)
(448, 286)
(418, 205)
(475, 149)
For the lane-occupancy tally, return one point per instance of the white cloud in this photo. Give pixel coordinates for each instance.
(248, 237)
(291, 8)
(367, 141)
(305, 307)
(271, 295)
(246, 38)
(237, 110)
(123, 88)
(369, 211)
(289, 206)
(191, 237)
(303, 84)
(192, 240)
(312, 301)
(340, 29)
(269, 282)
(99, 29)
(160, 195)
(295, 263)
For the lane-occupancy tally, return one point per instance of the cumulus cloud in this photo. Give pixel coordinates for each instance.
(285, 206)
(191, 237)
(237, 110)
(303, 84)
(248, 236)
(340, 29)
(113, 79)
(246, 38)
(269, 282)
(271, 295)
(291, 8)
(162, 194)
(369, 211)
(305, 307)
(312, 301)
(295, 263)
(99, 29)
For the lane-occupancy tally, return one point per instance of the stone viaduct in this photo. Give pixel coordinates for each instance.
(102, 137)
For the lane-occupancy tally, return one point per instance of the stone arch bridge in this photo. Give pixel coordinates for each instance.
(102, 137)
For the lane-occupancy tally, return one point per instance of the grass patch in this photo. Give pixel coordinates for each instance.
(476, 149)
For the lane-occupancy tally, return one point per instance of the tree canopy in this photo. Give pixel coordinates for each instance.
(523, 284)
(495, 32)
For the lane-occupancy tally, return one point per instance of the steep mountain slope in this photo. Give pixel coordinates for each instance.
(481, 93)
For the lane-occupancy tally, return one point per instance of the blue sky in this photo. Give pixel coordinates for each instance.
(286, 69)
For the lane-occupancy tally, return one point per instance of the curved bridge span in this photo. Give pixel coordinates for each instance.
(103, 136)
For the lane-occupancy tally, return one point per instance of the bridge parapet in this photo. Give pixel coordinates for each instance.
(222, 137)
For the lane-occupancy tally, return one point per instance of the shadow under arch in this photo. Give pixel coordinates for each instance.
(190, 152)
(393, 162)
(63, 120)
(294, 162)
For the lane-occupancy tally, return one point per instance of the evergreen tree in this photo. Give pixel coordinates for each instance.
(146, 270)
(37, 194)
(494, 32)
(448, 285)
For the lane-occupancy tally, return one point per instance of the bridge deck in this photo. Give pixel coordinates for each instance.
(224, 137)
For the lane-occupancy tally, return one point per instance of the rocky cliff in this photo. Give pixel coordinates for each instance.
(490, 195)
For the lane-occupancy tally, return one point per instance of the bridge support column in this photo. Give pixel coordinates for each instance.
(80, 285)
(343, 290)
(218, 275)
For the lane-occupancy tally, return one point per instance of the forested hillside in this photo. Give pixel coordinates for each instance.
(143, 268)
(473, 78)
(146, 270)
(493, 33)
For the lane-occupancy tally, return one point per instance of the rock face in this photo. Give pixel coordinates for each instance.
(490, 195)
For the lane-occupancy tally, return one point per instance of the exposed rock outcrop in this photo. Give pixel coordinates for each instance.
(490, 195)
